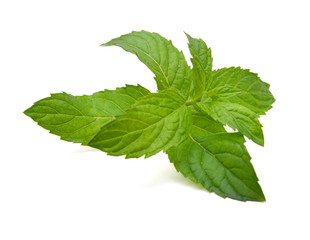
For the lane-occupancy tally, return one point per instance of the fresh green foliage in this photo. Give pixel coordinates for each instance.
(202, 64)
(185, 118)
(78, 119)
(218, 160)
(237, 97)
(156, 122)
(160, 56)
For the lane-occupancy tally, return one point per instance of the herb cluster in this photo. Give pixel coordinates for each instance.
(185, 118)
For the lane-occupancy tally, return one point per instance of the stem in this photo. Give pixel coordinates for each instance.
(192, 101)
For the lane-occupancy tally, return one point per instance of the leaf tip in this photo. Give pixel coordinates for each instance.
(260, 197)
(27, 112)
(260, 141)
(188, 36)
(106, 44)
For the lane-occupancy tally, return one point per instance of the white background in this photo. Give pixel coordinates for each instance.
(51, 189)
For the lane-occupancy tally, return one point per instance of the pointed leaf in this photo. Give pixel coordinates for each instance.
(202, 63)
(156, 122)
(202, 127)
(254, 93)
(237, 117)
(218, 161)
(79, 118)
(160, 56)
(237, 97)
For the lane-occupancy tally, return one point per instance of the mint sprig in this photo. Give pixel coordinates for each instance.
(184, 118)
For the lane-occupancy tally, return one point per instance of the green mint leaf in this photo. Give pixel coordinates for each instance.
(79, 118)
(203, 125)
(254, 93)
(202, 64)
(237, 97)
(236, 116)
(220, 93)
(157, 122)
(218, 161)
(160, 56)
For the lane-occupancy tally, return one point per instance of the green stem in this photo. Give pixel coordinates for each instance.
(192, 101)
